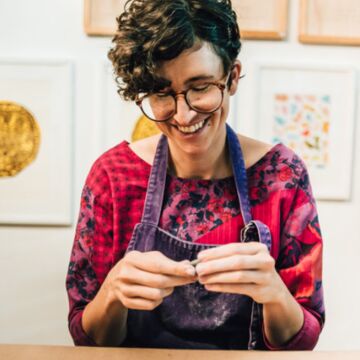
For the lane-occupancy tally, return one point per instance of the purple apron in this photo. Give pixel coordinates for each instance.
(192, 317)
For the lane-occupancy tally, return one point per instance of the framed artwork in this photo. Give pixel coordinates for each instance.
(36, 123)
(262, 19)
(330, 22)
(312, 111)
(100, 16)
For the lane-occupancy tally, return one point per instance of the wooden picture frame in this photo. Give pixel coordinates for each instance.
(330, 22)
(262, 19)
(258, 19)
(100, 16)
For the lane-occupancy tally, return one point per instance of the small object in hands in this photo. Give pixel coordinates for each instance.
(195, 262)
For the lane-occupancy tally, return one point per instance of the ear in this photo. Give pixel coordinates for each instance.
(235, 76)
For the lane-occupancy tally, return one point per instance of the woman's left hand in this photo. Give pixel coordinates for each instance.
(241, 268)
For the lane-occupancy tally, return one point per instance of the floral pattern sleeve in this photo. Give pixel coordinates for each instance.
(300, 259)
(93, 228)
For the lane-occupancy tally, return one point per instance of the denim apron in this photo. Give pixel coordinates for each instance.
(192, 317)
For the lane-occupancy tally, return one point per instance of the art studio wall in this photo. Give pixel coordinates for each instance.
(35, 250)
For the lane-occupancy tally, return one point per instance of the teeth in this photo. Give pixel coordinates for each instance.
(191, 129)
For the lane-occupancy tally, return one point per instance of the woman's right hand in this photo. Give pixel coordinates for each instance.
(141, 281)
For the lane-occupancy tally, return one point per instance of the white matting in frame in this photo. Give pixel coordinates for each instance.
(41, 194)
(311, 109)
(116, 117)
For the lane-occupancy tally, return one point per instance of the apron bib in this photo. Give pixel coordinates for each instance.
(192, 317)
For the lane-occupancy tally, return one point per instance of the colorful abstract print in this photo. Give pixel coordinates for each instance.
(302, 122)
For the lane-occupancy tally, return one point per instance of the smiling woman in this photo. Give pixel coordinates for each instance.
(199, 238)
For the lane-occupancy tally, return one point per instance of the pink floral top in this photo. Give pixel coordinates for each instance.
(280, 196)
(194, 207)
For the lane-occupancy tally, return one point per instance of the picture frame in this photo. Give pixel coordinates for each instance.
(42, 192)
(311, 109)
(262, 20)
(100, 16)
(329, 22)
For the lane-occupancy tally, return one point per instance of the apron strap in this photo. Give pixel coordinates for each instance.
(239, 172)
(156, 184)
(256, 231)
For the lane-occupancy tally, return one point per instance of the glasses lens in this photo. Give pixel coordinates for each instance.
(205, 99)
(159, 107)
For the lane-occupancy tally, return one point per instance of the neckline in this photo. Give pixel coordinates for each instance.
(147, 165)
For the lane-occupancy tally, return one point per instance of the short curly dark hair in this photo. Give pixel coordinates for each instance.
(152, 31)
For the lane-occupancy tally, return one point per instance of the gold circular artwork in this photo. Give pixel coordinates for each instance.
(19, 138)
(144, 128)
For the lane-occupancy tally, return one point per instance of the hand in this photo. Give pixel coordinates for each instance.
(241, 268)
(142, 280)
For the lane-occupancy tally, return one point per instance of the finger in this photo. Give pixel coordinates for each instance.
(234, 277)
(250, 248)
(140, 304)
(158, 263)
(230, 263)
(160, 281)
(241, 289)
(145, 292)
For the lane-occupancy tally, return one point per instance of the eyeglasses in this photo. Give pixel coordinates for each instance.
(162, 106)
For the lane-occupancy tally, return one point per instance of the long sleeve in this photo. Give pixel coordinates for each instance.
(111, 205)
(300, 261)
(94, 228)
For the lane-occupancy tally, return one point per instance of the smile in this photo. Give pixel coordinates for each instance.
(193, 128)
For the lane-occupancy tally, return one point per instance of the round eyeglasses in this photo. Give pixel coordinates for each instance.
(162, 106)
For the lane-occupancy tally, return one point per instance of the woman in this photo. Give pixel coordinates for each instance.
(243, 210)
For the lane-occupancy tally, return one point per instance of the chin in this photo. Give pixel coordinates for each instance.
(195, 150)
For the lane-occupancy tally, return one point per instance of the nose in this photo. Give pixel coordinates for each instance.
(184, 114)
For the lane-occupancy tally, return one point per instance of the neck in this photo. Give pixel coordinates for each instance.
(211, 165)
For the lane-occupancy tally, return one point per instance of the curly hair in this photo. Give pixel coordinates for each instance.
(152, 31)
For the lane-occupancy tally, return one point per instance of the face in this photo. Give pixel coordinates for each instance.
(195, 68)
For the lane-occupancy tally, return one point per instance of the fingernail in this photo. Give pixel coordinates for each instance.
(199, 268)
(194, 262)
(190, 271)
(201, 256)
(186, 262)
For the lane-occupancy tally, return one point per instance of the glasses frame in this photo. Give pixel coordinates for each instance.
(219, 84)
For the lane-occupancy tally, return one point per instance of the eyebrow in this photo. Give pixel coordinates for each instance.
(195, 78)
(199, 77)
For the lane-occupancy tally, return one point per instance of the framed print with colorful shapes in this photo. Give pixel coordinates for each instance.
(262, 20)
(100, 16)
(311, 109)
(36, 137)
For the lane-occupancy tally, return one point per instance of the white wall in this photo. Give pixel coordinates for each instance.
(33, 260)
